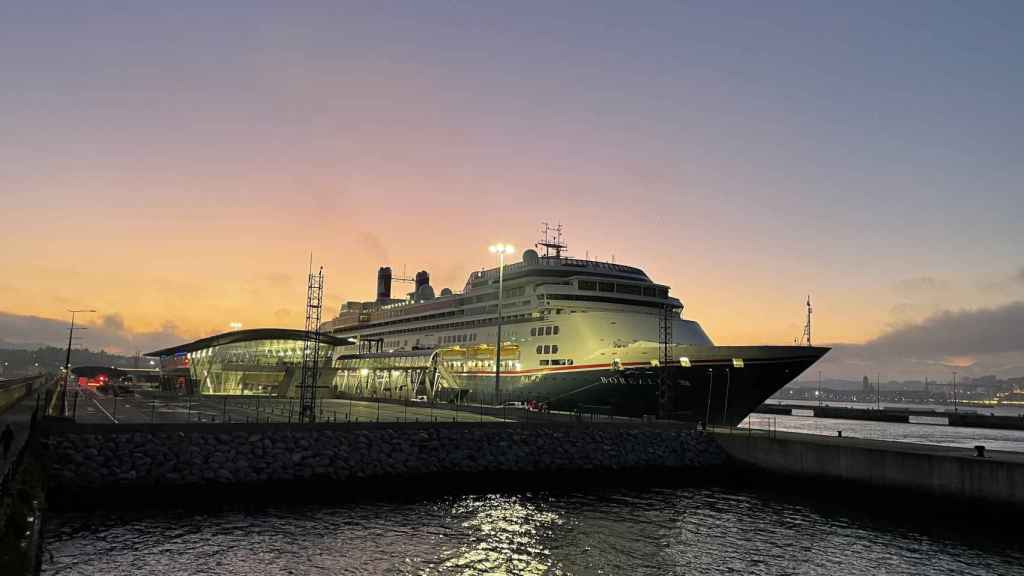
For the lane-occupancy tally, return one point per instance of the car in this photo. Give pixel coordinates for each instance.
(513, 404)
(419, 399)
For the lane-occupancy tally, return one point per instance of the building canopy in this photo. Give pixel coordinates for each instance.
(246, 336)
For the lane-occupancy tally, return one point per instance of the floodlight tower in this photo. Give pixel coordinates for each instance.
(501, 250)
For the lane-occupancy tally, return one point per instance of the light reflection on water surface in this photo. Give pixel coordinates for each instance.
(693, 530)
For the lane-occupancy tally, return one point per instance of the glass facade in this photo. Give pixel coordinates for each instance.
(266, 367)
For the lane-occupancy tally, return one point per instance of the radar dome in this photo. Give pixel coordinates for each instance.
(530, 257)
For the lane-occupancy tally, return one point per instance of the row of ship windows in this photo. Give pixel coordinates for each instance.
(544, 331)
(456, 338)
(453, 325)
(556, 362)
(547, 349)
(632, 289)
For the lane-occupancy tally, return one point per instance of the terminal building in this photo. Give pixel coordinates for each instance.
(265, 361)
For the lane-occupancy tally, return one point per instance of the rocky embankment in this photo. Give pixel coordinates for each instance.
(81, 457)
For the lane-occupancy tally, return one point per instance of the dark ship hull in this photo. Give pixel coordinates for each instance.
(721, 385)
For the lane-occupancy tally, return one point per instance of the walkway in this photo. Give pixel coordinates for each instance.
(18, 416)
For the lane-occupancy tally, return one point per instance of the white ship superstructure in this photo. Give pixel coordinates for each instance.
(571, 329)
(557, 312)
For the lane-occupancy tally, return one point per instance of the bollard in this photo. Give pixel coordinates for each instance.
(979, 451)
(839, 433)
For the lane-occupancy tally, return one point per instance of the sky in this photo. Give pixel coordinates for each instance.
(174, 164)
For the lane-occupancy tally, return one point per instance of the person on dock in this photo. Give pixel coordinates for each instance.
(6, 437)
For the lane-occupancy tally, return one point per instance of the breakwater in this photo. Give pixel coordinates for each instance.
(995, 477)
(83, 458)
(968, 418)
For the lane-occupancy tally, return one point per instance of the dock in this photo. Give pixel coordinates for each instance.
(900, 415)
(995, 477)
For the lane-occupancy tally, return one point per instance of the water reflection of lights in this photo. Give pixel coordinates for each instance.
(506, 536)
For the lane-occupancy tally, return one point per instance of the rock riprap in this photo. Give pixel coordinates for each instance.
(196, 454)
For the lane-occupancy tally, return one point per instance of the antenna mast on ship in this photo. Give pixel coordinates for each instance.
(807, 327)
(552, 241)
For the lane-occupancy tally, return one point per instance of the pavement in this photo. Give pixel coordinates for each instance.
(92, 407)
(89, 406)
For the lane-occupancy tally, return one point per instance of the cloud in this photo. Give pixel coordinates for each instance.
(112, 322)
(984, 340)
(108, 333)
(957, 333)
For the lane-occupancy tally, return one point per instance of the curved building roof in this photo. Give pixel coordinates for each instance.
(247, 336)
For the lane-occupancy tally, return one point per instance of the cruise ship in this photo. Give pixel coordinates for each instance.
(575, 335)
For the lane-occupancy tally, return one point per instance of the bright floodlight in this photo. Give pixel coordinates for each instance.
(501, 248)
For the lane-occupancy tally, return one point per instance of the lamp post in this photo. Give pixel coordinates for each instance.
(954, 394)
(500, 250)
(67, 359)
(819, 389)
(725, 407)
(711, 381)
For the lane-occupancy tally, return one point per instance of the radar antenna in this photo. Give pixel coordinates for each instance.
(552, 241)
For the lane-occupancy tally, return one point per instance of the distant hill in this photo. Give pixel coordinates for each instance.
(8, 345)
(22, 361)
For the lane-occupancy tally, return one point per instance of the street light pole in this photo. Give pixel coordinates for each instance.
(67, 361)
(707, 414)
(954, 394)
(819, 389)
(500, 250)
(728, 381)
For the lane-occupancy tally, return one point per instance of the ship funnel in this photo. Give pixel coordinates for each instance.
(422, 279)
(384, 283)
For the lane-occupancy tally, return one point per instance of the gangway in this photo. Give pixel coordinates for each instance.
(412, 373)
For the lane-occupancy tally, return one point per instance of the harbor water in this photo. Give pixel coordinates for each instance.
(679, 530)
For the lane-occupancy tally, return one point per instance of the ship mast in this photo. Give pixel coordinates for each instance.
(807, 326)
(552, 241)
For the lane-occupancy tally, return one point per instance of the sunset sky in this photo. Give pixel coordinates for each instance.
(173, 164)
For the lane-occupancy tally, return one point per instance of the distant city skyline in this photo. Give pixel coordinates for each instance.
(174, 165)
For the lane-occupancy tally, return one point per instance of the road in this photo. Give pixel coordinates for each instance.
(91, 407)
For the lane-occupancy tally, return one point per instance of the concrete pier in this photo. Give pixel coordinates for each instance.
(998, 477)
